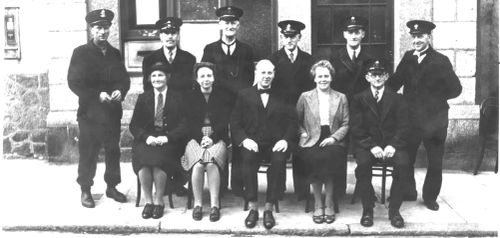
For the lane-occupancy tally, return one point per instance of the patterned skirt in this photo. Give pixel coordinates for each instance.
(217, 153)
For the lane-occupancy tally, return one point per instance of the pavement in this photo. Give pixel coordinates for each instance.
(41, 197)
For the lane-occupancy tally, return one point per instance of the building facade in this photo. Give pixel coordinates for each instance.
(39, 114)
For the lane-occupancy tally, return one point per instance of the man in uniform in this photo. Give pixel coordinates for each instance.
(180, 65)
(429, 81)
(292, 64)
(234, 61)
(350, 61)
(379, 127)
(98, 77)
(264, 126)
(179, 62)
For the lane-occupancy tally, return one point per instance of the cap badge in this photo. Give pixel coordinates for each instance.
(229, 8)
(103, 13)
(288, 27)
(353, 18)
(377, 62)
(415, 26)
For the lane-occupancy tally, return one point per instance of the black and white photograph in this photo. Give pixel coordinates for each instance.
(250, 118)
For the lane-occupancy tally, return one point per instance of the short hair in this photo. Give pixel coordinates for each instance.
(200, 65)
(261, 62)
(322, 63)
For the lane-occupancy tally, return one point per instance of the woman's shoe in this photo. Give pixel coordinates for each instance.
(330, 218)
(147, 212)
(214, 214)
(158, 211)
(197, 213)
(318, 219)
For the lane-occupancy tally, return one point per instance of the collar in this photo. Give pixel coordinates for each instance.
(295, 51)
(259, 88)
(166, 50)
(229, 44)
(349, 51)
(380, 92)
(164, 92)
(96, 47)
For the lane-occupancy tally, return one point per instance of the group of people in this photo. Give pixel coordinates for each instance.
(280, 108)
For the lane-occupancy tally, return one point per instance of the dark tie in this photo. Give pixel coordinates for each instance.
(228, 47)
(376, 95)
(291, 57)
(159, 111)
(170, 56)
(354, 56)
(261, 91)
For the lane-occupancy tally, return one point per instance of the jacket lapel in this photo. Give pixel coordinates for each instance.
(150, 104)
(313, 102)
(387, 100)
(346, 60)
(370, 101)
(334, 102)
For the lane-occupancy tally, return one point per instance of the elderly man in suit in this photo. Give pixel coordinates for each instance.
(98, 77)
(264, 126)
(379, 127)
(350, 61)
(429, 81)
(234, 61)
(179, 62)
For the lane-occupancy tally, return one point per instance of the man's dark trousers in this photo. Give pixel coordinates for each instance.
(92, 137)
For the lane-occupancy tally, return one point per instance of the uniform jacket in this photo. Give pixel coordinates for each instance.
(250, 119)
(292, 78)
(174, 120)
(181, 69)
(349, 77)
(90, 73)
(234, 72)
(217, 111)
(427, 87)
(372, 127)
(309, 121)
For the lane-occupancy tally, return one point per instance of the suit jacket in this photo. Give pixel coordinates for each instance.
(292, 78)
(427, 87)
(90, 73)
(372, 127)
(174, 119)
(309, 121)
(250, 119)
(217, 111)
(349, 77)
(181, 69)
(234, 72)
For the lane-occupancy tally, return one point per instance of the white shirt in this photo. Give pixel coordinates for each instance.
(264, 97)
(163, 94)
(380, 93)
(324, 108)
(295, 52)
(420, 56)
(350, 51)
(166, 51)
(232, 47)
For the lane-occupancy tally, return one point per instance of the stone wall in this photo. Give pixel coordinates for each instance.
(24, 121)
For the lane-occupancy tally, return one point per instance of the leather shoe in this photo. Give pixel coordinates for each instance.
(432, 205)
(214, 214)
(197, 213)
(396, 219)
(367, 218)
(147, 212)
(329, 218)
(252, 218)
(111, 192)
(87, 200)
(158, 211)
(269, 221)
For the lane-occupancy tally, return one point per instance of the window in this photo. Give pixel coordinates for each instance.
(139, 17)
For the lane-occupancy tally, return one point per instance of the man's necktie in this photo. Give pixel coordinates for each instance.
(228, 52)
(159, 111)
(354, 56)
(170, 56)
(376, 95)
(261, 91)
(291, 57)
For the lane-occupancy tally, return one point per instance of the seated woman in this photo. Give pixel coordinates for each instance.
(208, 118)
(158, 126)
(323, 123)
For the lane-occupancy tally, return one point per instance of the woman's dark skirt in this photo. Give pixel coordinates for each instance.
(321, 163)
(165, 157)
